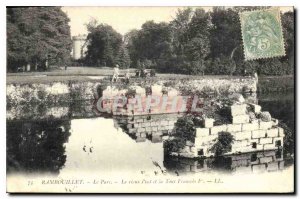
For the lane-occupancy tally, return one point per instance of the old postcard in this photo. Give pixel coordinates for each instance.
(150, 99)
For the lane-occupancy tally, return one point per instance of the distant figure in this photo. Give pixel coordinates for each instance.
(66, 67)
(127, 76)
(116, 73)
(256, 77)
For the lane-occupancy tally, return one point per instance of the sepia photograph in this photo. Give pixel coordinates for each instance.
(190, 99)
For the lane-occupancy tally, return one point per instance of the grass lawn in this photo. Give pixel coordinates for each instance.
(89, 74)
(96, 73)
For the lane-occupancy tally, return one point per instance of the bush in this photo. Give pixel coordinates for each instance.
(289, 138)
(174, 145)
(185, 128)
(223, 144)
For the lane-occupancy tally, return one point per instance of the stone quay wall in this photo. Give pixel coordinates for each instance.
(249, 134)
(258, 162)
(152, 127)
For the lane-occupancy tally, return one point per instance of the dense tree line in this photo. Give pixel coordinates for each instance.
(37, 37)
(199, 42)
(194, 42)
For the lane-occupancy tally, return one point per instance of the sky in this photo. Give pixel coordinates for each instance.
(122, 19)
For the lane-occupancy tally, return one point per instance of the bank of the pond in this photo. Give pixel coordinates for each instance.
(275, 83)
(62, 91)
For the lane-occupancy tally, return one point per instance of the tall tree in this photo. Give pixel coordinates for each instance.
(104, 44)
(287, 20)
(36, 35)
(123, 59)
(152, 42)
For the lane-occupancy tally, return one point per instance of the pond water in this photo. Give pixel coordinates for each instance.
(105, 145)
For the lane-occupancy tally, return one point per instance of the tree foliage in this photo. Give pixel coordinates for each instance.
(195, 42)
(36, 35)
(223, 144)
(104, 44)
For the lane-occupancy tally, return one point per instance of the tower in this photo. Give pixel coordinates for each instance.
(79, 46)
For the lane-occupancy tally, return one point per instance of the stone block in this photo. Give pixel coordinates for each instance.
(272, 166)
(258, 134)
(239, 163)
(265, 125)
(202, 132)
(164, 123)
(266, 159)
(281, 165)
(170, 127)
(259, 147)
(148, 129)
(269, 147)
(189, 143)
(132, 131)
(154, 128)
(156, 139)
(216, 129)
(171, 123)
(234, 128)
(255, 108)
(250, 127)
(140, 139)
(242, 135)
(259, 168)
(157, 133)
(239, 143)
(139, 120)
(265, 141)
(143, 135)
(240, 119)
(281, 132)
(255, 121)
(254, 140)
(208, 122)
(272, 132)
(238, 109)
(243, 170)
(141, 130)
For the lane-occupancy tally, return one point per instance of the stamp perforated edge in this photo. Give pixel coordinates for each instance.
(282, 39)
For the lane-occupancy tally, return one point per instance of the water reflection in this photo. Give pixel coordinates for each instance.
(154, 127)
(245, 163)
(74, 138)
(37, 146)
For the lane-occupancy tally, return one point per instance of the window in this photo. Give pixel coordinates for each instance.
(200, 152)
(254, 145)
(253, 157)
(278, 143)
(278, 154)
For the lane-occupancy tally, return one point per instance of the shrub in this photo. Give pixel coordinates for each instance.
(289, 138)
(185, 128)
(174, 145)
(223, 144)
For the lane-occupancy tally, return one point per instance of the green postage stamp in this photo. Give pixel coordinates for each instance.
(262, 34)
